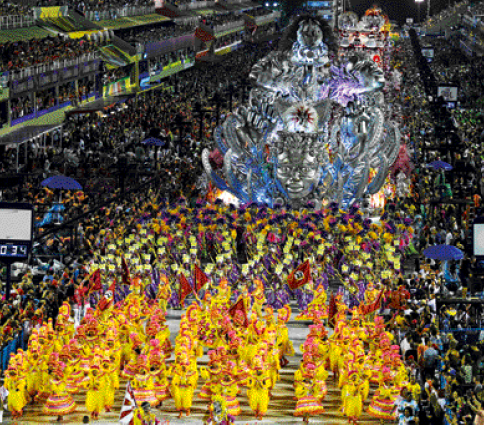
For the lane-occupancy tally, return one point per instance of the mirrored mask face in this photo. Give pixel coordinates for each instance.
(297, 177)
(298, 168)
(309, 34)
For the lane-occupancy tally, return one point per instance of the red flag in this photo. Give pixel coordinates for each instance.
(370, 308)
(185, 288)
(104, 303)
(95, 281)
(112, 288)
(299, 276)
(238, 313)
(200, 278)
(331, 309)
(129, 406)
(126, 276)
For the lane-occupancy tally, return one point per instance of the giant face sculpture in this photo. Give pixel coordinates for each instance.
(298, 168)
(309, 34)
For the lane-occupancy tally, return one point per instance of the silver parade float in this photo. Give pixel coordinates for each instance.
(314, 130)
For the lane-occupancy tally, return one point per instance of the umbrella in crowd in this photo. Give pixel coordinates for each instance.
(153, 141)
(443, 252)
(440, 165)
(61, 182)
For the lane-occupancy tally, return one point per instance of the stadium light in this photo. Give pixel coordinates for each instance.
(418, 4)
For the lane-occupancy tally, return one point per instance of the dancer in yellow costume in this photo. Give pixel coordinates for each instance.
(229, 390)
(44, 387)
(182, 386)
(258, 385)
(284, 344)
(60, 402)
(159, 374)
(164, 293)
(383, 403)
(317, 308)
(107, 383)
(143, 415)
(259, 298)
(212, 376)
(365, 375)
(143, 386)
(320, 376)
(95, 395)
(222, 298)
(335, 350)
(16, 387)
(34, 373)
(308, 400)
(352, 403)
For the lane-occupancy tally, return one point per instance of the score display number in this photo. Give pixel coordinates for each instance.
(13, 250)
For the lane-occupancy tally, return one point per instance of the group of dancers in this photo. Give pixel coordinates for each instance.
(247, 344)
(238, 314)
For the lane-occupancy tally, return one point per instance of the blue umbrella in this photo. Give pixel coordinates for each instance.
(153, 141)
(443, 252)
(440, 165)
(61, 182)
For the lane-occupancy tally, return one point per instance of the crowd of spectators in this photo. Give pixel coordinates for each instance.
(184, 2)
(442, 354)
(214, 21)
(112, 75)
(8, 8)
(445, 363)
(263, 31)
(260, 11)
(21, 106)
(95, 5)
(100, 139)
(23, 54)
(142, 35)
(229, 39)
(157, 64)
(24, 105)
(446, 13)
(476, 9)
(451, 65)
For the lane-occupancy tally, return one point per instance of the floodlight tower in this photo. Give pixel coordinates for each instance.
(418, 4)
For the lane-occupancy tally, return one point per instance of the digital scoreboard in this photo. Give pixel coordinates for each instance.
(16, 228)
(11, 250)
(16, 233)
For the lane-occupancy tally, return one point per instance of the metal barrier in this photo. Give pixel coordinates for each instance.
(268, 17)
(16, 21)
(185, 20)
(196, 5)
(51, 66)
(228, 26)
(113, 14)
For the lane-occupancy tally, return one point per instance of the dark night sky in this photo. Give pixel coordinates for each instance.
(397, 10)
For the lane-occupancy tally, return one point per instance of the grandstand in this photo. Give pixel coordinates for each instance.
(88, 52)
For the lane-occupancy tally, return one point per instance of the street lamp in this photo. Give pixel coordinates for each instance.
(418, 3)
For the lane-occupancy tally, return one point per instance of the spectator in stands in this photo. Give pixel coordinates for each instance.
(146, 35)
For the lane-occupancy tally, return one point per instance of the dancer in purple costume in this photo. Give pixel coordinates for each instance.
(278, 297)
